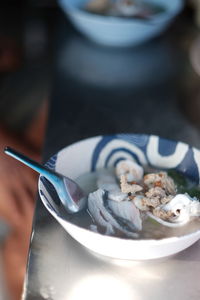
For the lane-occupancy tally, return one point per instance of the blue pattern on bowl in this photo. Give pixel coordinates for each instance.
(166, 149)
(140, 141)
(51, 163)
(124, 150)
(189, 167)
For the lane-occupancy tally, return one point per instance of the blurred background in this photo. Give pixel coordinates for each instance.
(26, 52)
(32, 47)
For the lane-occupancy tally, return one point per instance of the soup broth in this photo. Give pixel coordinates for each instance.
(151, 229)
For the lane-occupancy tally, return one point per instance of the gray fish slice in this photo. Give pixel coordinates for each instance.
(104, 216)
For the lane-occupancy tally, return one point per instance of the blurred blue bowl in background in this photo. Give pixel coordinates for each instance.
(116, 31)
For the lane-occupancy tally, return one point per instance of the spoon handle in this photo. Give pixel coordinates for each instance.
(30, 163)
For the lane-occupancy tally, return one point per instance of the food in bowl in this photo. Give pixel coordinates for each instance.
(124, 8)
(83, 161)
(137, 202)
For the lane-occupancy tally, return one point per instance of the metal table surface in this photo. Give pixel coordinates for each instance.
(103, 90)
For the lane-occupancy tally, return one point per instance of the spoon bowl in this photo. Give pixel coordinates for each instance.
(72, 197)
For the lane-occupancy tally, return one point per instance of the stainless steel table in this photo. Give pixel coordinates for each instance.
(96, 91)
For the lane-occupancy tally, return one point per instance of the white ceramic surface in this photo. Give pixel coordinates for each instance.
(113, 31)
(104, 151)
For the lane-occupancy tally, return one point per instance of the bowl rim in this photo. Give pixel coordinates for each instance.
(71, 9)
(143, 241)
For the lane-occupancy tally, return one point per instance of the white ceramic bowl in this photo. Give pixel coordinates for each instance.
(115, 31)
(104, 151)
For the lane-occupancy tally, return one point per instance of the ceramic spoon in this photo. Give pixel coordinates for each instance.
(70, 194)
